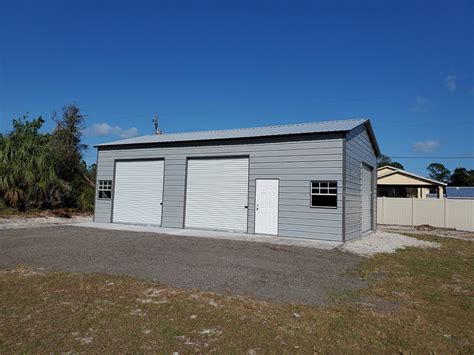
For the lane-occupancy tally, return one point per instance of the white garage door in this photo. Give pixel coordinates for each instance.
(217, 194)
(138, 192)
(366, 198)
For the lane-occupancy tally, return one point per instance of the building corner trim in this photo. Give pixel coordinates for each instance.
(344, 138)
(96, 180)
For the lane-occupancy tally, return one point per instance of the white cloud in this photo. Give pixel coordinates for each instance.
(450, 82)
(104, 129)
(422, 104)
(425, 146)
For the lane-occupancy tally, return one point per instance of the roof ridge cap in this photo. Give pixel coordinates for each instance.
(260, 127)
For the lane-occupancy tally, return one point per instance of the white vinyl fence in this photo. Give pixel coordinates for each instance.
(444, 213)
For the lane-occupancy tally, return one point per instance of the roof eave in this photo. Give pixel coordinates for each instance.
(375, 144)
(387, 166)
(414, 176)
(221, 139)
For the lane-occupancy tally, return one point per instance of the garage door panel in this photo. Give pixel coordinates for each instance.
(217, 193)
(138, 192)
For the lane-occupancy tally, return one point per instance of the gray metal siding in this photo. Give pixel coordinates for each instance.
(295, 161)
(359, 150)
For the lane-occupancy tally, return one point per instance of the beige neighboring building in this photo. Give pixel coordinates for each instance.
(393, 182)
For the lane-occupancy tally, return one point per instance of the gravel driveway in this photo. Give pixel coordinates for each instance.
(264, 271)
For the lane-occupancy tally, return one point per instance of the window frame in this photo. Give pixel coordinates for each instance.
(104, 185)
(311, 193)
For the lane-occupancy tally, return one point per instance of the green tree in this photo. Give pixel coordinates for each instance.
(42, 170)
(28, 178)
(92, 171)
(87, 195)
(385, 160)
(462, 177)
(69, 153)
(438, 172)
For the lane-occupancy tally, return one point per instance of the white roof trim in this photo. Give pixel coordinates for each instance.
(412, 175)
(387, 167)
(388, 172)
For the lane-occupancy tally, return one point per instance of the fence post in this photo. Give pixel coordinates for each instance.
(445, 212)
(472, 214)
(383, 210)
(412, 211)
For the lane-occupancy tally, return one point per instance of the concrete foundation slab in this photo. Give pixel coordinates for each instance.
(309, 243)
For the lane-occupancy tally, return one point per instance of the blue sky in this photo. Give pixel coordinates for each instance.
(408, 65)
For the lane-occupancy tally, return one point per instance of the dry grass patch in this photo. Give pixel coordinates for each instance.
(420, 300)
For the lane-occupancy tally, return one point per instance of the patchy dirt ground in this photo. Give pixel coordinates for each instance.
(417, 301)
(383, 242)
(424, 230)
(41, 220)
(260, 270)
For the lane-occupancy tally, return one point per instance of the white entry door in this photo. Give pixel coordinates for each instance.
(138, 193)
(266, 207)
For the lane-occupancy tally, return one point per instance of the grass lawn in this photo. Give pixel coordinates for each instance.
(419, 300)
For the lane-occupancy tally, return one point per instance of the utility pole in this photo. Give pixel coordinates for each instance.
(155, 122)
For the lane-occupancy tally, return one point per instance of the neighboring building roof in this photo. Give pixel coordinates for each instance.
(466, 192)
(406, 173)
(386, 167)
(291, 129)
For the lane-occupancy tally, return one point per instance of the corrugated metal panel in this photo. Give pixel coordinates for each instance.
(460, 192)
(302, 128)
(294, 185)
(217, 193)
(366, 198)
(138, 192)
(358, 150)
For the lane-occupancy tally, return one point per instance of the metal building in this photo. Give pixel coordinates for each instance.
(460, 192)
(312, 180)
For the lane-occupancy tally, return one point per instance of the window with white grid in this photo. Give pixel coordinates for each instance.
(324, 194)
(104, 189)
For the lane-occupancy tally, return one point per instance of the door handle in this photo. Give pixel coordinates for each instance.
(247, 207)
(257, 207)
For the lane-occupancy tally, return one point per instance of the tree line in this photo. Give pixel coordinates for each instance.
(46, 170)
(437, 171)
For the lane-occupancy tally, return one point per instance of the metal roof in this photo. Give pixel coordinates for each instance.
(460, 192)
(291, 129)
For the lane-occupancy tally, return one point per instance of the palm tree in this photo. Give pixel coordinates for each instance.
(28, 177)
